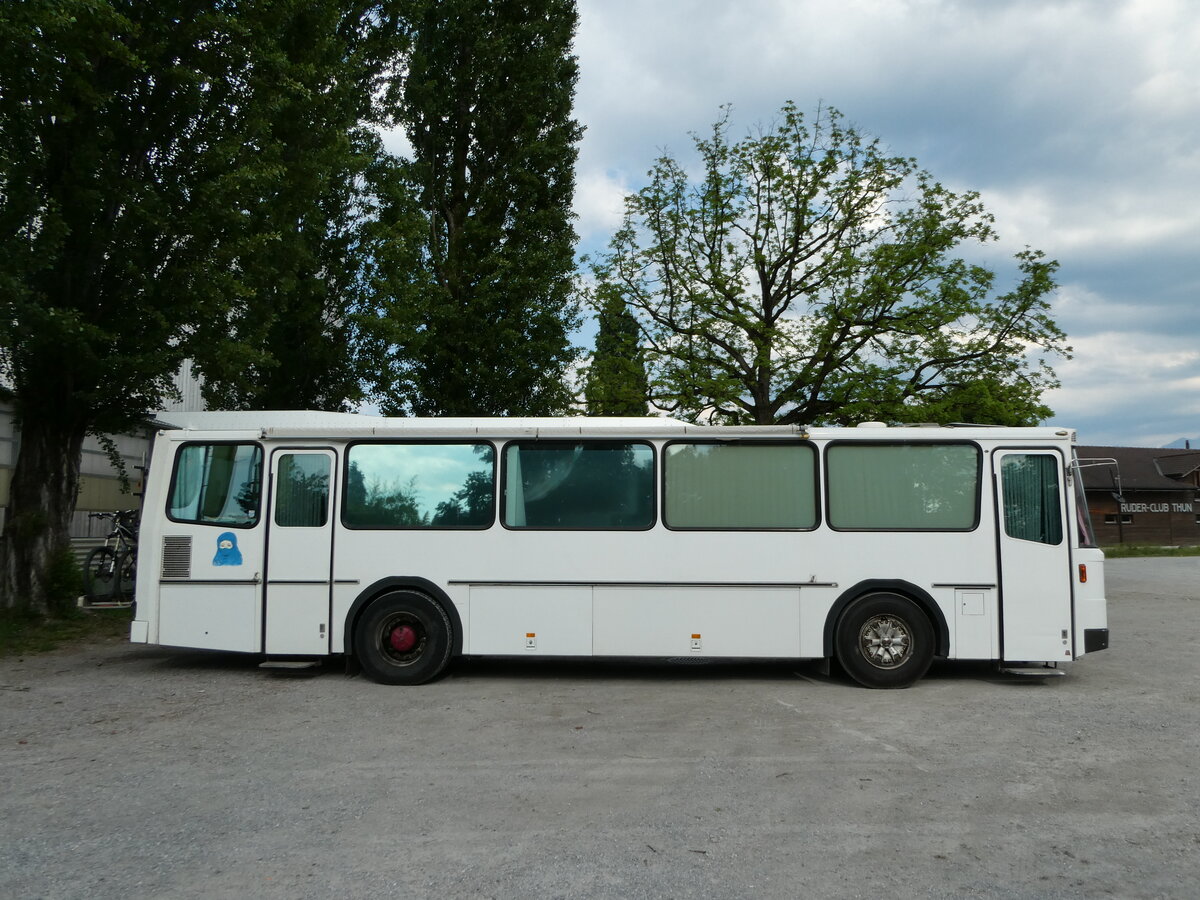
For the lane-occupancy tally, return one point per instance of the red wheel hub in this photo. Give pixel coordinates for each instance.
(403, 638)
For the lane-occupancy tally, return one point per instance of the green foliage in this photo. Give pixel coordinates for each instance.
(118, 144)
(317, 78)
(474, 247)
(616, 382)
(23, 632)
(810, 278)
(174, 182)
(64, 579)
(179, 180)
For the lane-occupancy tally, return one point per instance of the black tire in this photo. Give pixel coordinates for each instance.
(100, 580)
(884, 641)
(126, 575)
(403, 638)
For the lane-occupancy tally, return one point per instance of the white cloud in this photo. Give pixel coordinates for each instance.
(1130, 387)
(599, 204)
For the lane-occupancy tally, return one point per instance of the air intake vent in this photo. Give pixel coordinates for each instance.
(177, 557)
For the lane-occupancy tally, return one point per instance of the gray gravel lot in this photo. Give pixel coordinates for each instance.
(128, 771)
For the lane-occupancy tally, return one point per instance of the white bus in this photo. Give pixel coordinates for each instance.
(404, 543)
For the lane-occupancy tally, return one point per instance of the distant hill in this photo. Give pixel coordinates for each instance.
(1184, 444)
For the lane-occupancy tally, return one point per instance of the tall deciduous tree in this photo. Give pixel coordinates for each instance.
(616, 383)
(483, 307)
(135, 160)
(317, 79)
(810, 277)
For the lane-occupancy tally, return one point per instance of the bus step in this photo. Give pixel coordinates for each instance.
(85, 603)
(289, 664)
(1032, 671)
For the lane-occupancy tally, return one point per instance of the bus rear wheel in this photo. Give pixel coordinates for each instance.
(403, 638)
(884, 641)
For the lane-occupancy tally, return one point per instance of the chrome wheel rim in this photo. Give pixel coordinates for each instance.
(886, 642)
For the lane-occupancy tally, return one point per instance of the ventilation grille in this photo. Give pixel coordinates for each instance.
(177, 557)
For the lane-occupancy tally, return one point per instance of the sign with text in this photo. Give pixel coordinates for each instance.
(1156, 507)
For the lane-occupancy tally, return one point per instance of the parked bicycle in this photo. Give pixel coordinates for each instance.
(110, 571)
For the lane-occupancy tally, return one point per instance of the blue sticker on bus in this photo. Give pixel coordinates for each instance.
(228, 553)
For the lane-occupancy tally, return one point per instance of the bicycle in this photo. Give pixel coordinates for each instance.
(110, 571)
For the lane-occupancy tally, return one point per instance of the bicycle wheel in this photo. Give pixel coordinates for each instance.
(100, 574)
(126, 575)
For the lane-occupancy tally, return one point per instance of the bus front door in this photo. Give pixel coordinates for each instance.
(299, 552)
(1035, 564)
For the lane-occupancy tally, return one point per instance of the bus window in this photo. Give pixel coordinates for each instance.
(217, 484)
(1083, 518)
(602, 485)
(903, 487)
(1032, 508)
(419, 485)
(303, 486)
(740, 486)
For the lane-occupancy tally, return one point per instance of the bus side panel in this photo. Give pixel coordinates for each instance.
(552, 620)
(210, 617)
(701, 620)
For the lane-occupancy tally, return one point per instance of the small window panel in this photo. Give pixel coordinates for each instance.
(302, 485)
(1032, 500)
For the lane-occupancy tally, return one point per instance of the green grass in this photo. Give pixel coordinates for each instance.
(22, 633)
(1120, 551)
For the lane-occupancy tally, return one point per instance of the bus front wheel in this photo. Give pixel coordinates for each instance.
(885, 641)
(403, 638)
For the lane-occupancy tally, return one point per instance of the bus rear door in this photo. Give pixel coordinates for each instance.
(1035, 566)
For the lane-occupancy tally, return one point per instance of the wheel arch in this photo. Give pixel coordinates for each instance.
(402, 582)
(906, 589)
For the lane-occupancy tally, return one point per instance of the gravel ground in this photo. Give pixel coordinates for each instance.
(128, 771)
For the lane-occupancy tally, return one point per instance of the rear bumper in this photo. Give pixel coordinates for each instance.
(1095, 639)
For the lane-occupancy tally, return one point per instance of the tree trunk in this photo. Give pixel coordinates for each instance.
(36, 541)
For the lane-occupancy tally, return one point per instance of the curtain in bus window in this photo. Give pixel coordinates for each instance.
(514, 496)
(1032, 507)
(740, 486)
(220, 468)
(303, 490)
(189, 476)
(903, 486)
(594, 484)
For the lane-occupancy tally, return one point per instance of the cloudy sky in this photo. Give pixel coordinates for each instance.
(1079, 122)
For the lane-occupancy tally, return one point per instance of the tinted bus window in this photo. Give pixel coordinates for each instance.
(736, 485)
(903, 487)
(601, 485)
(1032, 506)
(303, 486)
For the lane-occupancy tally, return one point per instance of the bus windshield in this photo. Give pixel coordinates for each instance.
(1083, 518)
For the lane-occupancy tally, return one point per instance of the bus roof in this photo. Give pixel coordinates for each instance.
(297, 424)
